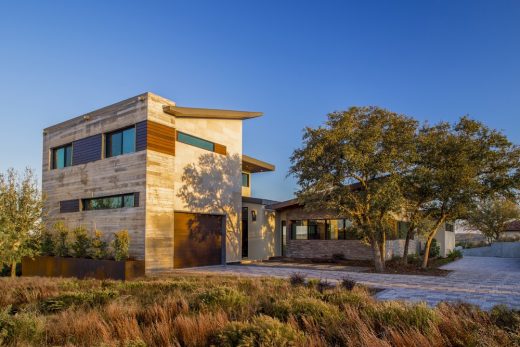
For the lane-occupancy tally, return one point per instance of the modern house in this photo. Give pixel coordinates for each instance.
(174, 177)
(177, 180)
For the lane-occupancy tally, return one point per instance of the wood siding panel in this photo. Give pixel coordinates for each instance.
(160, 138)
(220, 149)
(87, 149)
(197, 240)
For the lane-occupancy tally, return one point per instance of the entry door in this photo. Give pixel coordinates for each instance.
(197, 240)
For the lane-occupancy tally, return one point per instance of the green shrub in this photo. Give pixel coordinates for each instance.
(348, 283)
(62, 244)
(319, 310)
(82, 242)
(47, 246)
(66, 300)
(454, 255)
(297, 279)
(435, 249)
(120, 244)
(99, 246)
(21, 327)
(261, 331)
(347, 298)
(324, 285)
(226, 298)
(506, 318)
(393, 314)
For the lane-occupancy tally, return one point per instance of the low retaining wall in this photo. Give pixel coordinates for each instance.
(82, 268)
(351, 249)
(497, 249)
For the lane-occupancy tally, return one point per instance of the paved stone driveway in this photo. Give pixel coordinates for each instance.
(482, 281)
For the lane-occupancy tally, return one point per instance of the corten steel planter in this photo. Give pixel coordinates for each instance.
(47, 266)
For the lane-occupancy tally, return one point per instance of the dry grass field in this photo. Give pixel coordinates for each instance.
(214, 310)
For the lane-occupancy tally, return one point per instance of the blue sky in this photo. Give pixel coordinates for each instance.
(294, 60)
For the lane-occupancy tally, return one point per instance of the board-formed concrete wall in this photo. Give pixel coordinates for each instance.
(104, 177)
(496, 249)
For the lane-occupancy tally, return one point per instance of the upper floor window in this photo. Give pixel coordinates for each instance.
(62, 156)
(195, 141)
(109, 202)
(245, 179)
(120, 142)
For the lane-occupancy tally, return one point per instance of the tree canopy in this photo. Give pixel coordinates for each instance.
(353, 165)
(20, 217)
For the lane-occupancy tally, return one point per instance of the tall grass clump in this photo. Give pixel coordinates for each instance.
(220, 310)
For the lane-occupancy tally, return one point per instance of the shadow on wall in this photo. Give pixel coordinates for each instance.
(212, 185)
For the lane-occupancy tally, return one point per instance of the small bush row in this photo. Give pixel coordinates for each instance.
(79, 243)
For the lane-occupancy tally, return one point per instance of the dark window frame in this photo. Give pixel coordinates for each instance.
(108, 141)
(86, 204)
(54, 150)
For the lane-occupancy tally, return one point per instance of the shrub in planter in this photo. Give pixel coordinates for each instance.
(82, 242)
(61, 244)
(99, 246)
(47, 245)
(120, 244)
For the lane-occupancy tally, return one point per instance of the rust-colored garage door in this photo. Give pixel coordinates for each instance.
(197, 240)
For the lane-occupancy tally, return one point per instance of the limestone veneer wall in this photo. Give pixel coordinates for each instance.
(351, 249)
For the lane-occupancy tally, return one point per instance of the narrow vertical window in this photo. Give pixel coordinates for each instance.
(245, 179)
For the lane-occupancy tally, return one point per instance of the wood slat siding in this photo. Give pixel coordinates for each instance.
(67, 206)
(160, 138)
(220, 149)
(87, 149)
(140, 136)
(197, 240)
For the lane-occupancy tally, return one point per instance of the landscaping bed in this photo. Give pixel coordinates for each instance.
(204, 310)
(393, 266)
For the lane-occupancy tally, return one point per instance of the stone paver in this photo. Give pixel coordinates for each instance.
(482, 281)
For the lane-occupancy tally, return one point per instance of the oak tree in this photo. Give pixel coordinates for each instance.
(354, 165)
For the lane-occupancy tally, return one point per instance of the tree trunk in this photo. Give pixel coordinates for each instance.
(382, 247)
(429, 240)
(378, 263)
(13, 269)
(406, 245)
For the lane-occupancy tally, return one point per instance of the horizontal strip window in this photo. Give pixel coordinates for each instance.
(120, 142)
(323, 229)
(195, 141)
(61, 156)
(111, 202)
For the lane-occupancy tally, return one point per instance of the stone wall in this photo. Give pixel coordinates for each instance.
(351, 249)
